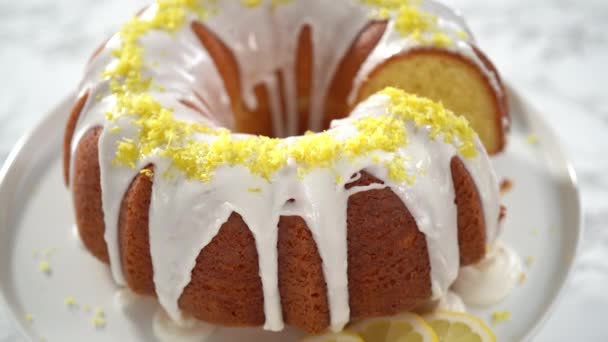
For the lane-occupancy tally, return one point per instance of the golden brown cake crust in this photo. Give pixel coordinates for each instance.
(388, 265)
(503, 96)
(69, 134)
(133, 235)
(336, 103)
(226, 288)
(86, 190)
(301, 282)
(471, 225)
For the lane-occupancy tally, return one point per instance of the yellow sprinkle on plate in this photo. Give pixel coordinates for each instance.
(500, 317)
(49, 251)
(98, 322)
(44, 267)
(522, 277)
(70, 301)
(532, 139)
(530, 260)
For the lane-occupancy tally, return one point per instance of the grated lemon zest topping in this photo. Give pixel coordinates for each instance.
(439, 120)
(441, 39)
(147, 172)
(462, 34)
(161, 134)
(411, 21)
(115, 129)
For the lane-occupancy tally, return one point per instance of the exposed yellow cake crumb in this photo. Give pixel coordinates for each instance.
(255, 190)
(100, 312)
(500, 317)
(29, 317)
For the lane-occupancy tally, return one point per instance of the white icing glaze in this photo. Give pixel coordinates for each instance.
(167, 330)
(490, 280)
(451, 302)
(125, 298)
(185, 215)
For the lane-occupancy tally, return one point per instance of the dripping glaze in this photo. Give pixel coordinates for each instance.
(260, 49)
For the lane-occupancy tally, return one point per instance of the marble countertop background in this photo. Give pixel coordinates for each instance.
(554, 51)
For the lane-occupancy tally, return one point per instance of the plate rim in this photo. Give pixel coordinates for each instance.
(515, 96)
(15, 156)
(11, 162)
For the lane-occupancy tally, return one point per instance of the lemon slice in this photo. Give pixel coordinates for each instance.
(459, 327)
(343, 336)
(405, 327)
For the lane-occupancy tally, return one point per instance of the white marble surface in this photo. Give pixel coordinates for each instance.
(554, 51)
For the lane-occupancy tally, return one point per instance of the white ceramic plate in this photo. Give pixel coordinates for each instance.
(543, 225)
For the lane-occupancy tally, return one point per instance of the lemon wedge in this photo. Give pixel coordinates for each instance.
(342, 336)
(405, 327)
(459, 327)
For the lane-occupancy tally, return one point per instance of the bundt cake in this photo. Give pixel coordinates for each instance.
(259, 162)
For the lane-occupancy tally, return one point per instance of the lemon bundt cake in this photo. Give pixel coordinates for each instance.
(193, 178)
